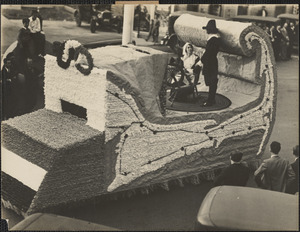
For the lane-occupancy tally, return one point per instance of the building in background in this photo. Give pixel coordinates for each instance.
(231, 10)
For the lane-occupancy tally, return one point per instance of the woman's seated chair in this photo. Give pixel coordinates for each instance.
(182, 82)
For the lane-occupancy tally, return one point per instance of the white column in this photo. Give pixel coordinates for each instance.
(152, 11)
(172, 8)
(128, 23)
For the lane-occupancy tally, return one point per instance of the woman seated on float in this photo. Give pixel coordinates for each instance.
(191, 65)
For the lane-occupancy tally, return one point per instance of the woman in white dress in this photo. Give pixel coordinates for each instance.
(191, 65)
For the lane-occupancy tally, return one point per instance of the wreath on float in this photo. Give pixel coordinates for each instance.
(70, 50)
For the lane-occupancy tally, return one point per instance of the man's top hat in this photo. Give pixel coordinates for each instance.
(211, 26)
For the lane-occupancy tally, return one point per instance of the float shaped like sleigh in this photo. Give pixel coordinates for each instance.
(125, 143)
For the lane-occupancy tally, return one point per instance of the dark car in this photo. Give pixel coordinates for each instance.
(291, 17)
(170, 38)
(97, 15)
(231, 208)
(260, 21)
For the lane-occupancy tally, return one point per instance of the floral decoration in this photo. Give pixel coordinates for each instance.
(70, 50)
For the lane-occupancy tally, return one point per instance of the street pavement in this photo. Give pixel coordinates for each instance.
(175, 209)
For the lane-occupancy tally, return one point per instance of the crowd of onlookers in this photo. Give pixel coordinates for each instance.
(283, 38)
(274, 173)
(22, 69)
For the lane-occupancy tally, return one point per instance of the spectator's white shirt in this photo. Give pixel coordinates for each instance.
(34, 25)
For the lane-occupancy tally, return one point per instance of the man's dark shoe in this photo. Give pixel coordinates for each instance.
(207, 103)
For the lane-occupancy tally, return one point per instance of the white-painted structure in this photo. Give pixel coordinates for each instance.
(128, 24)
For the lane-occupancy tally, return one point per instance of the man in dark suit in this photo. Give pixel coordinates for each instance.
(10, 87)
(293, 186)
(278, 37)
(236, 174)
(210, 61)
(274, 173)
(262, 12)
(25, 48)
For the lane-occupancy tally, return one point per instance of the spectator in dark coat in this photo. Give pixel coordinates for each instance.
(36, 33)
(155, 30)
(263, 12)
(274, 173)
(25, 48)
(236, 174)
(277, 42)
(293, 37)
(150, 29)
(12, 88)
(293, 186)
(210, 61)
(285, 42)
(24, 37)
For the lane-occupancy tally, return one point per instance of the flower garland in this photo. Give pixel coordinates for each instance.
(85, 71)
(70, 50)
(59, 59)
(69, 45)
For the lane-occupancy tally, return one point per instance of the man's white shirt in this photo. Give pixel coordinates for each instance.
(34, 25)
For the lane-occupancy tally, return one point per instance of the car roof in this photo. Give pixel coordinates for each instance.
(178, 13)
(253, 18)
(52, 222)
(244, 208)
(288, 16)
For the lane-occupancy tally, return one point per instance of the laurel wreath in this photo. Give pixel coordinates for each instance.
(59, 56)
(73, 54)
(85, 71)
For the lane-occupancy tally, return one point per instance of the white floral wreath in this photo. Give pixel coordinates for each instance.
(79, 51)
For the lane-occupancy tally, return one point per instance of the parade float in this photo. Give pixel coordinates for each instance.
(105, 129)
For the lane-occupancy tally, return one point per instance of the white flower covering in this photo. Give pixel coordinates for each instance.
(71, 86)
(70, 44)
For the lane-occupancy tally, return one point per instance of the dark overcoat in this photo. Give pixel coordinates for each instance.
(210, 61)
(234, 174)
